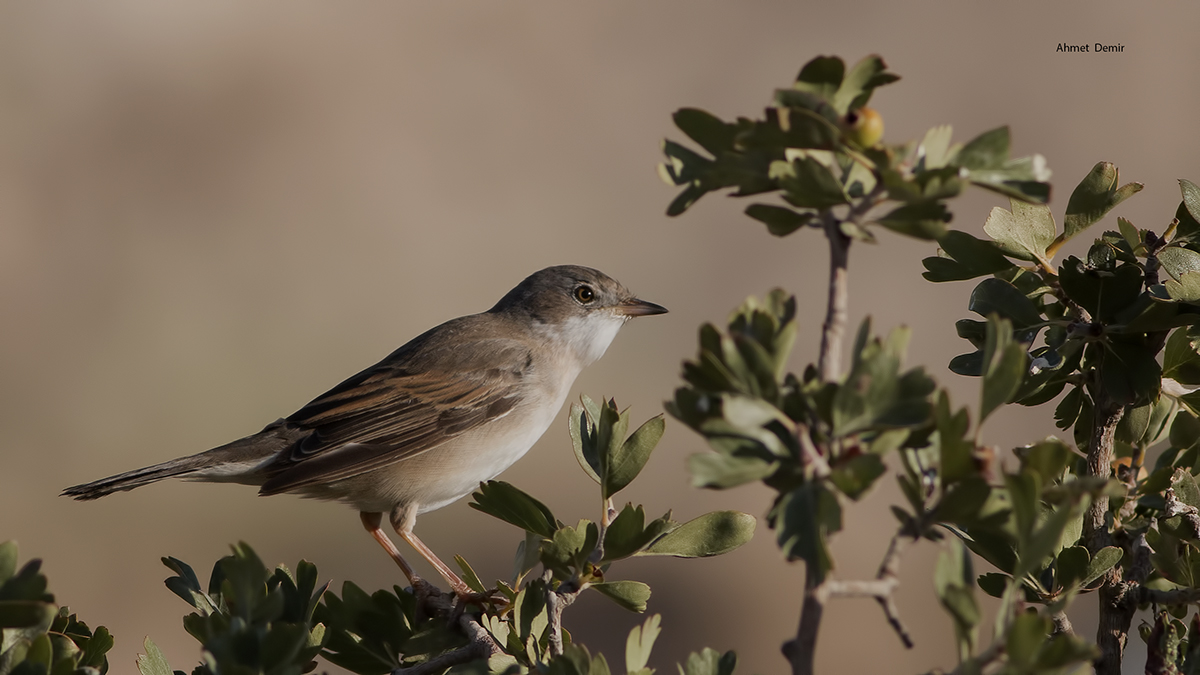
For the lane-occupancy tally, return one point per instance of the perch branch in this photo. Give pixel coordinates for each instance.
(481, 646)
(556, 602)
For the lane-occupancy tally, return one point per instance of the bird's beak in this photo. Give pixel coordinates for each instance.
(635, 307)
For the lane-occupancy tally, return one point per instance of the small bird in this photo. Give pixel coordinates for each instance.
(423, 427)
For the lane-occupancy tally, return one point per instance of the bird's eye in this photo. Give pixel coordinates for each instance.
(584, 294)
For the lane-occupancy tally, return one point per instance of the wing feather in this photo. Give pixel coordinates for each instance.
(398, 409)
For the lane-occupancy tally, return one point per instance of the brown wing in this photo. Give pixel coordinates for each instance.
(399, 409)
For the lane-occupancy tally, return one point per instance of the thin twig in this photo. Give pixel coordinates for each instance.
(838, 302)
(811, 454)
(837, 306)
(883, 587)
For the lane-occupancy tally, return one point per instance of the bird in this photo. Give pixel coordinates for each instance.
(420, 429)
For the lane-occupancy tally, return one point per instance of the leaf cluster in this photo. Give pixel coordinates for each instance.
(37, 637)
(577, 557)
(806, 149)
(1092, 327)
(250, 620)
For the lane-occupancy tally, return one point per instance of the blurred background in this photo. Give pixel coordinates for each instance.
(212, 212)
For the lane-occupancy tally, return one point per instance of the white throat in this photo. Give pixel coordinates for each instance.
(587, 337)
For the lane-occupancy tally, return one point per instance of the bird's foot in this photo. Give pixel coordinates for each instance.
(431, 600)
(493, 598)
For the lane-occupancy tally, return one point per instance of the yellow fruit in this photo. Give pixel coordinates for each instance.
(864, 127)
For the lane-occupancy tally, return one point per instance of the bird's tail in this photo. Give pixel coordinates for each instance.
(137, 478)
(236, 462)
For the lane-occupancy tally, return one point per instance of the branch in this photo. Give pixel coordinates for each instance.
(1116, 613)
(837, 306)
(838, 300)
(1062, 625)
(801, 650)
(1178, 596)
(812, 456)
(556, 602)
(481, 646)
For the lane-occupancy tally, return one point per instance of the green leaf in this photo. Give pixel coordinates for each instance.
(627, 459)
(921, 220)
(988, 150)
(640, 642)
(719, 471)
(1026, 636)
(956, 449)
(1071, 566)
(95, 649)
(994, 584)
(27, 614)
(1068, 409)
(570, 548)
(690, 195)
(967, 257)
(963, 503)
(1004, 366)
(1178, 261)
(1104, 560)
(187, 586)
(1181, 357)
(153, 662)
(469, 575)
(996, 296)
(1095, 196)
(8, 561)
(803, 519)
(632, 595)
(708, 535)
(583, 441)
(708, 131)
(1191, 198)
(709, 662)
(954, 583)
(859, 83)
(821, 76)
(1103, 294)
(1186, 289)
(856, 475)
(627, 533)
(1046, 458)
(1131, 235)
(41, 653)
(1130, 372)
(502, 500)
(1025, 232)
(780, 221)
(811, 185)
(1185, 488)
